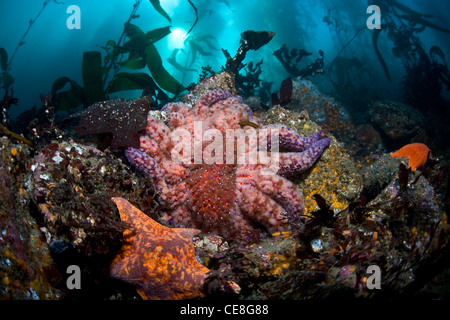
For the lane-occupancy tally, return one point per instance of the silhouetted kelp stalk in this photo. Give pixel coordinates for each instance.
(116, 45)
(133, 50)
(401, 27)
(426, 72)
(7, 80)
(30, 24)
(196, 18)
(143, 53)
(112, 44)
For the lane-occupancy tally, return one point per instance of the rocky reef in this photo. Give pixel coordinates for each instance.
(25, 260)
(364, 211)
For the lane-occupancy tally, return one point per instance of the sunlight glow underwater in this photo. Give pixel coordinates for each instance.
(177, 38)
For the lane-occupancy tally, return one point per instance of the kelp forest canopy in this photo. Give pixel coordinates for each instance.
(160, 49)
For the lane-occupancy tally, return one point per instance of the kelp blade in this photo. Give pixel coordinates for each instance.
(69, 99)
(376, 33)
(131, 81)
(91, 73)
(157, 5)
(159, 73)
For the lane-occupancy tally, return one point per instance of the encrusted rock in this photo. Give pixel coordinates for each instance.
(398, 122)
(322, 109)
(360, 142)
(219, 81)
(379, 174)
(25, 262)
(71, 185)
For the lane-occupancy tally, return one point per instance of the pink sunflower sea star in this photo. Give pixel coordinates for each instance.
(229, 199)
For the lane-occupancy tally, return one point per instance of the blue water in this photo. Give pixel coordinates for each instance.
(51, 50)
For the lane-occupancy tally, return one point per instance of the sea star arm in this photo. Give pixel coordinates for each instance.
(179, 217)
(148, 165)
(172, 193)
(296, 162)
(179, 114)
(289, 139)
(149, 145)
(208, 99)
(159, 133)
(257, 204)
(260, 208)
(212, 97)
(283, 191)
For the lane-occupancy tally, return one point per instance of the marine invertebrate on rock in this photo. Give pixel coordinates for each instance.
(417, 153)
(122, 118)
(221, 196)
(158, 260)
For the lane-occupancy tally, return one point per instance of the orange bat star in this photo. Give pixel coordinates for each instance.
(159, 261)
(418, 154)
